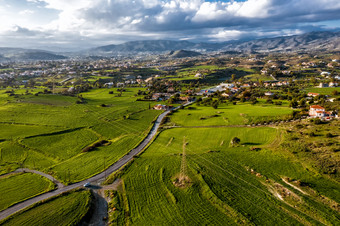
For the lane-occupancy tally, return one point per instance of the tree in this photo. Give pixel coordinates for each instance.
(293, 104)
(31, 83)
(235, 141)
(215, 104)
(233, 77)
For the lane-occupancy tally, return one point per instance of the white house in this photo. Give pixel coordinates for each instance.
(325, 73)
(269, 94)
(333, 84)
(316, 111)
(313, 94)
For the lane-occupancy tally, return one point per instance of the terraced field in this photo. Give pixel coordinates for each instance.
(67, 209)
(224, 184)
(194, 175)
(18, 187)
(50, 132)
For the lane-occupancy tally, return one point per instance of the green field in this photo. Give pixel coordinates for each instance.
(67, 209)
(323, 91)
(18, 187)
(226, 185)
(239, 114)
(190, 72)
(258, 77)
(49, 132)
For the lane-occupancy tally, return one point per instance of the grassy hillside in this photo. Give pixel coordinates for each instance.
(67, 209)
(50, 132)
(228, 114)
(225, 184)
(18, 187)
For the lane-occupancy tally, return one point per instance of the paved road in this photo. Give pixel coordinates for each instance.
(99, 177)
(58, 183)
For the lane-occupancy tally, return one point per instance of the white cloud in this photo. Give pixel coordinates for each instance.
(254, 8)
(226, 35)
(26, 12)
(109, 20)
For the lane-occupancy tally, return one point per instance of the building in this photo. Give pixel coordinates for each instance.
(316, 111)
(313, 94)
(161, 107)
(323, 85)
(333, 84)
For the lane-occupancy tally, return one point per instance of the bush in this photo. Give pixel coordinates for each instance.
(235, 141)
(329, 135)
(312, 134)
(317, 121)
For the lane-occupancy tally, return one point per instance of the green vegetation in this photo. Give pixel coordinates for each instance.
(228, 114)
(49, 132)
(66, 209)
(225, 185)
(19, 187)
(323, 91)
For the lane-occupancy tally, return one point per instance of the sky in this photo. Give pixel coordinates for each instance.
(81, 24)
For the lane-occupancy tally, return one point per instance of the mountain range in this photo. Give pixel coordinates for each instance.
(18, 54)
(313, 41)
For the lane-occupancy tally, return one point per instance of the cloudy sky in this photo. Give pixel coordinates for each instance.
(89, 23)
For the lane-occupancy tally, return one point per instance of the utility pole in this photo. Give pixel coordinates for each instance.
(183, 173)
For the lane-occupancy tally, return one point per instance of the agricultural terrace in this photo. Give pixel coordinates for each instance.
(21, 186)
(65, 209)
(229, 114)
(194, 176)
(71, 138)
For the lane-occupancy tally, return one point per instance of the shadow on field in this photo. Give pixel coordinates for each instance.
(251, 143)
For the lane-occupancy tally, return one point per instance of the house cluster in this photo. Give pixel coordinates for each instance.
(317, 111)
(276, 83)
(331, 84)
(160, 96)
(162, 107)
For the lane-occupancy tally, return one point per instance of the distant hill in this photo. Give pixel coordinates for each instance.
(154, 46)
(309, 41)
(182, 54)
(18, 54)
(313, 41)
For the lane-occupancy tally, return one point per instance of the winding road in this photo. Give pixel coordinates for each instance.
(95, 179)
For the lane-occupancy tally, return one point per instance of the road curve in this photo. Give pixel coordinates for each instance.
(26, 170)
(101, 176)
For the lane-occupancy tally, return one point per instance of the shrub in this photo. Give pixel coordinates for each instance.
(329, 135)
(235, 141)
(317, 121)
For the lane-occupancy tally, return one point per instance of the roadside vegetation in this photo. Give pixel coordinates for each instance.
(65, 209)
(18, 187)
(50, 132)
